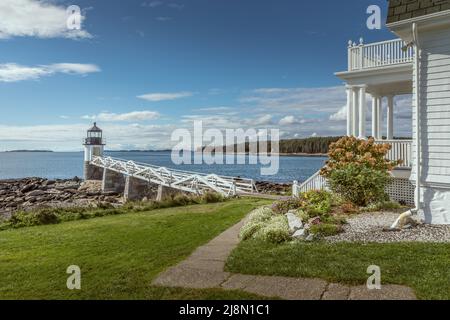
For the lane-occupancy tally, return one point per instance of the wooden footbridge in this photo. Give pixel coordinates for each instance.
(192, 182)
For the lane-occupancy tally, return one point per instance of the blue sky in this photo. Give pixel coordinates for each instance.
(144, 68)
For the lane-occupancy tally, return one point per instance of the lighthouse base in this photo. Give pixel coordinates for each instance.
(92, 172)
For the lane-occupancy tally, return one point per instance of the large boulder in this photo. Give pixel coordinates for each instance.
(295, 223)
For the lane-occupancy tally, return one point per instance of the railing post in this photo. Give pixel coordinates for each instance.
(295, 189)
(234, 188)
(361, 53)
(350, 55)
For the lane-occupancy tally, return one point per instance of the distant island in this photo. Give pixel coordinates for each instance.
(29, 151)
(313, 146)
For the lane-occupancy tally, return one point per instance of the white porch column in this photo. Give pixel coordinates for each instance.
(390, 118)
(349, 111)
(362, 112)
(380, 118)
(355, 111)
(374, 116)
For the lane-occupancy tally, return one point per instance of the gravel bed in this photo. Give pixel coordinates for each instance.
(371, 227)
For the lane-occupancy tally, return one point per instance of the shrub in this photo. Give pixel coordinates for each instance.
(349, 208)
(212, 197)
(317, 203)
(262, 214)
(284, 206)
(357, 170)
(25, 219)
(358, 184)
(382, 206)
(276, 231)
(249, 229)
(325, 229)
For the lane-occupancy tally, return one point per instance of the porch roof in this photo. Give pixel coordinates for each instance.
(389, 80)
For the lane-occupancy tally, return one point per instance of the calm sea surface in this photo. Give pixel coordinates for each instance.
(69, 164)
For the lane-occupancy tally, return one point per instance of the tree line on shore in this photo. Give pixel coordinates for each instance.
(312, 145)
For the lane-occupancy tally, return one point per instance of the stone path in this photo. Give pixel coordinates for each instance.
(205, 269)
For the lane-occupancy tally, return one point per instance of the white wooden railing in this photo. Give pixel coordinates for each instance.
(401, 150)
(315, 182)
(193, 182)
(365, 56)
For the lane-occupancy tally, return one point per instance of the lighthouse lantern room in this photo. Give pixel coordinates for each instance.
(93, 146)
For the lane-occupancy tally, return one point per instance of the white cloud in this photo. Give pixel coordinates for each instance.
(155, 97)
(33, 18)
(74, 68)
(68, 137)
(263, 120)
(12, 72)
(214, 109)
(341, 115)
(288, 120)
(130, 116)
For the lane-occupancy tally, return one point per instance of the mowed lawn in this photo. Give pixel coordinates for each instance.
(424, 267)
(118, 255)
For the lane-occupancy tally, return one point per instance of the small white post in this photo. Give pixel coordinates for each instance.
(295, 189)
(355, 111)
(349, 111)
(380, 118)
(361, 53)
(362, 112)
(390, 118)
(350, 55)
(234, 188)
(374, 116)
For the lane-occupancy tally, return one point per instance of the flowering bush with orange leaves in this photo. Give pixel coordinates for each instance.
(358, 169)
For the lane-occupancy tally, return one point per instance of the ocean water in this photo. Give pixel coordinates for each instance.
(62, 165)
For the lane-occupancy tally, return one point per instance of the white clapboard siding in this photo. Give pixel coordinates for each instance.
(435, 104)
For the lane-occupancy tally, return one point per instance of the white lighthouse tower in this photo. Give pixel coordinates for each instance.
(93, 146)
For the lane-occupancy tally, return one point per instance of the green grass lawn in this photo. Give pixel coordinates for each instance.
(118, 255)
(424, 267)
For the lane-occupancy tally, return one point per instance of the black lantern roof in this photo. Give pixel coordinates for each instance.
(95, 128)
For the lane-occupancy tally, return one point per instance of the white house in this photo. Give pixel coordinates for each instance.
(417, 63)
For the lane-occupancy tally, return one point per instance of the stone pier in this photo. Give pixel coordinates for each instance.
(113, 181)
(92, 172)
(137, 189)
(166, 193)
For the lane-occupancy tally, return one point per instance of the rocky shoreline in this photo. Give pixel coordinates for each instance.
(33, 193)
(274, 188)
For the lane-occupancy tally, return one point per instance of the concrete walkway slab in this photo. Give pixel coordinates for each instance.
(387, 292)
(205, 269)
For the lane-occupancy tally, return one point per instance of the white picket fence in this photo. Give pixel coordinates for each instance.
(399, 189)
(400, 150)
